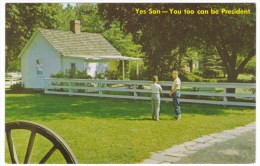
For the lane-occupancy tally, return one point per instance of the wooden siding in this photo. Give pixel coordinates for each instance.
(38, 49)
(66, 61)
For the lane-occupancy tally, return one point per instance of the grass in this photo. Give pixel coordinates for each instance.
(103, 130)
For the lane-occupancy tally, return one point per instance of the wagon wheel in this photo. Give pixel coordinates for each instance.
(34, 128)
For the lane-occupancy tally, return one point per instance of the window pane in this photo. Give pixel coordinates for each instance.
(39, 66)
(72, 66)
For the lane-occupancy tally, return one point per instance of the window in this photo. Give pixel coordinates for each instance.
(86, 66)
(72, 66)
(39, 66)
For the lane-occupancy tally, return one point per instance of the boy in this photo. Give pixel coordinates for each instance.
(155, 98)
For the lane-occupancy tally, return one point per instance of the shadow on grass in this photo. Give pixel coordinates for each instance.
(50, 107)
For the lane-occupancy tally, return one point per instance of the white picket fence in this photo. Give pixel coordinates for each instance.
(9, 81)
(192, 92)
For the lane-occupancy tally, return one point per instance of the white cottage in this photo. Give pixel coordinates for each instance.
(51, 51)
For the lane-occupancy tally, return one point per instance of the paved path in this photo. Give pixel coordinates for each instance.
(229, 146)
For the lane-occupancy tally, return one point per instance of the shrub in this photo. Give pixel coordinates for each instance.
(72, 73)
(111, 75)
(83, 74)
(190, 77)
(198, 72)
(100, 76)
(141, 76)
(17, 87)
(59, 75)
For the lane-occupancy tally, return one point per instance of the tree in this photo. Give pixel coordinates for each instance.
(191, 57)
(212, 65)
(91, 21)
(124, 43)
(89, 17)
(250, 67)
(233, 36)
(159, 34)
(67, 14)
(21, 21)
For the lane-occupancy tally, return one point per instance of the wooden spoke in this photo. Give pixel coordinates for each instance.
(29, 148)
(47, 156)
(11, 147)
(35, 128)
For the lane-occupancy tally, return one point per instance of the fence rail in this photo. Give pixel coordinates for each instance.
(205, 93)
(9, 81)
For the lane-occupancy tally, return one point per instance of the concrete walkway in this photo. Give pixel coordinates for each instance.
(205, 149)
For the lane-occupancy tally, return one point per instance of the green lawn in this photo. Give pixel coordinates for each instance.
(103, 130)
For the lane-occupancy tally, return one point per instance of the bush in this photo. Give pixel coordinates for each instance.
(198, 72)
(17, 87)
(111, 75)
(100, 76)
(83, 75)
(246, 78)
(141, 76)
(190, 77)
(72, 73)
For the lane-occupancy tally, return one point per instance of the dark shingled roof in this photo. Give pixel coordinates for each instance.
(84, 44)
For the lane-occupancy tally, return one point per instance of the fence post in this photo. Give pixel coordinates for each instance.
(45, 84)
(135, 94)
(12, 80)
(70, 90)
(99, 86)
(225, 97)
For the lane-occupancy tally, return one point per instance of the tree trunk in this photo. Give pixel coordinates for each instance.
(232, 77)
(190, 65)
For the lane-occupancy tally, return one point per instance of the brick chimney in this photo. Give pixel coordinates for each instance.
(75, 26)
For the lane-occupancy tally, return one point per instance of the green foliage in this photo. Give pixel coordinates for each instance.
(246, 78)
(112, 75)
(121, 41)
(197, 72)
(211, 63)
(250, 67)
(190, 77)
(191, 57)
(59, 75)
(141, 76)
(17, 87)
(124, 44)
(83, 74)
(109, 74)
(21, 21)
(72, 73)
(66, 15)
(87, 13)
(233, 36)
(99, 76)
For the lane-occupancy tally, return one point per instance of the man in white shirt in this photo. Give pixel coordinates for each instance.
(176, 94)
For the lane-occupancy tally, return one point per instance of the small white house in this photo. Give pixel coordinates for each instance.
(51, 51)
